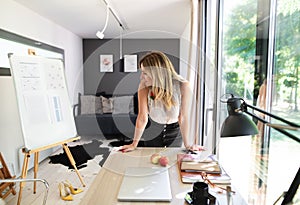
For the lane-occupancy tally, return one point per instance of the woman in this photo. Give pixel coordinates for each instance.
(164, 103)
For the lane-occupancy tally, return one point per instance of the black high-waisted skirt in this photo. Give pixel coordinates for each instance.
(160, 135)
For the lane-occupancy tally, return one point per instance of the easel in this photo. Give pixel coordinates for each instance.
(5, 174)
(36, 156)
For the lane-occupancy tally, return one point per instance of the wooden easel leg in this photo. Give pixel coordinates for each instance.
(5, 174)
(69, 154)
(13, 191)
(36, 165)
(23, 176)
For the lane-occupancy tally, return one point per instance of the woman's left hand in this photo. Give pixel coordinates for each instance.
(127, 148)
(196, 148)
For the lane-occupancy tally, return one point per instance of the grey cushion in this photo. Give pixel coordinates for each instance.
(123, 104)
(90, 104)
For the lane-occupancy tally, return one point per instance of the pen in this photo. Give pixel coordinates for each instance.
(188, 151)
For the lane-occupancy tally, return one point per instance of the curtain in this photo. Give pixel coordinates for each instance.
(195, 69)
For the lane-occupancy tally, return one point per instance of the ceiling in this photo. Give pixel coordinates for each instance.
(140, 18)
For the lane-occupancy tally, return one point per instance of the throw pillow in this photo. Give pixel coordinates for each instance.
(90, 104)
(107, 104)
(123, 104)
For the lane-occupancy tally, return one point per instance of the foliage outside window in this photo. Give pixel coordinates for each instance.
(287, 53)
(239, 48)
(272, 163)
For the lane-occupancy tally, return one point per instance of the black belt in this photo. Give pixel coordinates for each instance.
(172, 125)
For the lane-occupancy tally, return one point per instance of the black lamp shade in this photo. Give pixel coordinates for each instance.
(238, 125)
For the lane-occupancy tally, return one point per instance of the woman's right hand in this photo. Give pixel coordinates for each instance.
(127, 148)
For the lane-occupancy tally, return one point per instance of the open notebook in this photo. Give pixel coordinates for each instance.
(145, 184)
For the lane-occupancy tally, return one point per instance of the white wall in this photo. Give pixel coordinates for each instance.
(22, 21)
(11, 137)
(18, 19)
(184, 50)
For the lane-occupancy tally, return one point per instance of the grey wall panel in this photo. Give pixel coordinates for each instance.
(119, 82)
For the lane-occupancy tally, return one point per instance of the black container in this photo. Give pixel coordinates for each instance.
(200, 193)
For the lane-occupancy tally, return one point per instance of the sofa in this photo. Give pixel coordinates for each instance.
(111, 116)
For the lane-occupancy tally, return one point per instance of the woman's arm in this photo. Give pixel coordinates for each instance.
(141, 120)
(184, 117)
(185, 107)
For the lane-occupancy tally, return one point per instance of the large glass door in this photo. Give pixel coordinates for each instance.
(237, 55)
(284, 94)
(259, 61)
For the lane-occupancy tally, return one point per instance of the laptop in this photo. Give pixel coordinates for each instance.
(145, 184)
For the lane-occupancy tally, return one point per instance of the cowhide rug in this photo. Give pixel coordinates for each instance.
(81, 154)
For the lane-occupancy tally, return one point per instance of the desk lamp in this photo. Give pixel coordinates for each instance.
(238, 124)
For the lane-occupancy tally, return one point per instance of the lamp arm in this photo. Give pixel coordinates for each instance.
(267, 123)
(245, 105)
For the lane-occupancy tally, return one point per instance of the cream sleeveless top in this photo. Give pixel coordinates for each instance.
(162, 115)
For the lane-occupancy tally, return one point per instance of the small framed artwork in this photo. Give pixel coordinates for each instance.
(130, 63)
(106, 63)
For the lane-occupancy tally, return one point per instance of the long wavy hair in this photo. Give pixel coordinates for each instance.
(162, 72)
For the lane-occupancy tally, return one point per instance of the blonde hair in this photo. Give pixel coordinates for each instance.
(162, 72)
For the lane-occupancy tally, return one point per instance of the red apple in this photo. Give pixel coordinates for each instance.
(155, 158)
(164, 161)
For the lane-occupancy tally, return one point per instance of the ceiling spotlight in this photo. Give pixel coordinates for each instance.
(100, 35)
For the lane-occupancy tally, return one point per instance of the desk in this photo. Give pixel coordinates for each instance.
(105, 187)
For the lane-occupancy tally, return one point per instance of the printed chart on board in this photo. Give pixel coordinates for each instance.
(43, 100)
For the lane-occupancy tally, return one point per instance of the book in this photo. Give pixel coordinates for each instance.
(212, 167)
(196, 163)
(196, 158)
(191, 177)
(221, 178)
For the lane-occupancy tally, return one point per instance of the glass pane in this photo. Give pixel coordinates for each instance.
(237, 78)
(268, 161)
(285, 100)
(238, 51)
(239, 48)
(22, 50)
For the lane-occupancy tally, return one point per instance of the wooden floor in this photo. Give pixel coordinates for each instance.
(54, 174)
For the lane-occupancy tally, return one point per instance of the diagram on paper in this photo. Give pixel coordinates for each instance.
(29, 70)
(30, 84)
(30, 78)
(54, 77)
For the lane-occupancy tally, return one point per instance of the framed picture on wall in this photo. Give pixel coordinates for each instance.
(130, 63)
(106, 63)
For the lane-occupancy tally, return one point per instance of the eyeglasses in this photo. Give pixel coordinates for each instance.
(213, 185)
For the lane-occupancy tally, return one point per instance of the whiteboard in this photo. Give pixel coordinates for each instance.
(43, 100)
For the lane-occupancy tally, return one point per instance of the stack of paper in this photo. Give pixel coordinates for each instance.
(190, 168)
(191, 177)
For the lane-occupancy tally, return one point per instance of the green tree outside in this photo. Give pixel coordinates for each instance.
(240, 44)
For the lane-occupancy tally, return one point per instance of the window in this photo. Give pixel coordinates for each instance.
(284, 98)
(19, 45)
(237, 74)
(260, 52)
